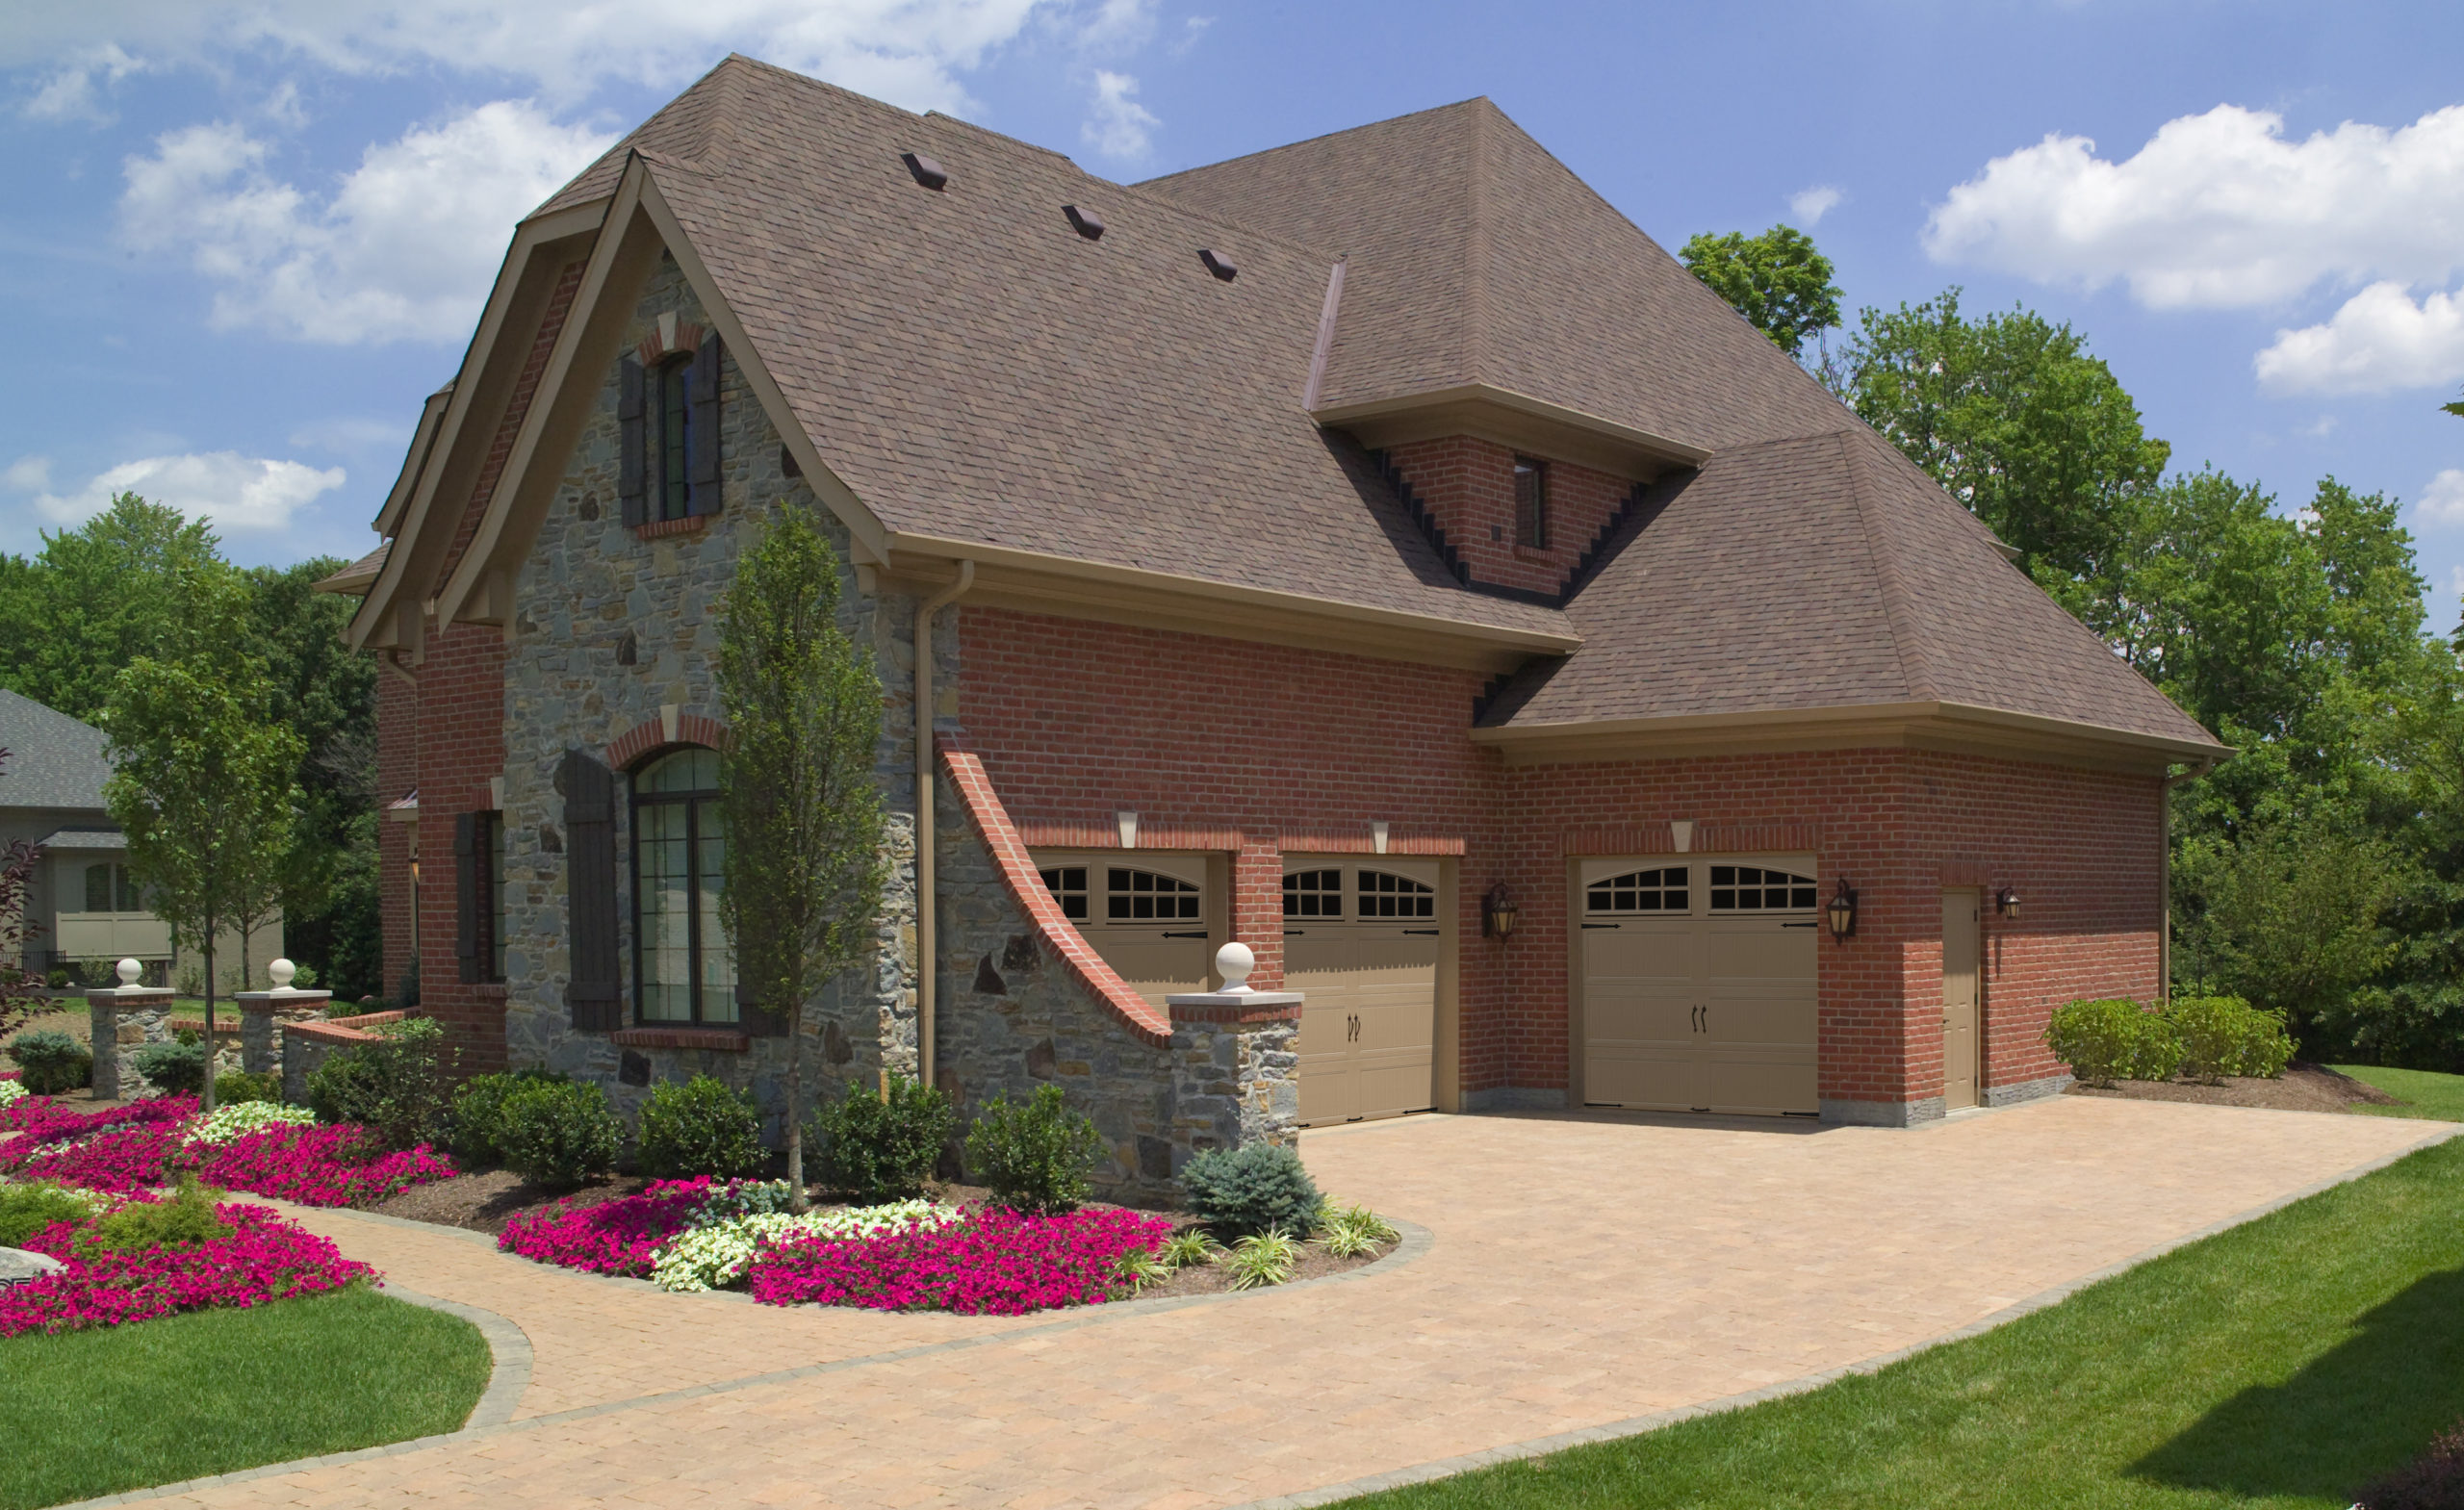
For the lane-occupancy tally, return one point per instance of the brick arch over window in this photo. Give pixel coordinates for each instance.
(672, 726)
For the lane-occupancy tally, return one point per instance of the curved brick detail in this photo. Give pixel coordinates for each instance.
(1009, 852)
(670, 727)
(1228, 1013)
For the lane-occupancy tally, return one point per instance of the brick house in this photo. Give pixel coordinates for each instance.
(1376, 551)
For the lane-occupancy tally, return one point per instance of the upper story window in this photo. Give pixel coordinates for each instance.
(684, 970)
(668, 420)
(1531, 503)
(673, 429)
(109, 888)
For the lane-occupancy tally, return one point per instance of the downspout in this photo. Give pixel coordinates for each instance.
(925, 909)
(2165, 874)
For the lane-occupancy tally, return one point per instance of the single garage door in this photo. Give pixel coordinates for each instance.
(1699, 983)
(1144, 914)
(1360, 941)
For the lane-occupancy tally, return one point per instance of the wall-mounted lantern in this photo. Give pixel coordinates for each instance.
(2006, 905)
(1842, 912)
(1498, 913)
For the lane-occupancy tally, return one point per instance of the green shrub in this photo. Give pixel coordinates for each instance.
(397, 1084)
(238, 1086)
(872, 1148)
(27, 1208)
(1255, 1188)
(174, 1068)
(1036, 1158)
(2103, 1041)
(187, 1217)
(478, 1114)
(700, 1127)
(52, 1062)
(303, 976)
(58, 979)
(557, 1134)
(2224, 1036)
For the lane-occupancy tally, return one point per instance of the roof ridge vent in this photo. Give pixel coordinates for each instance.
(929, 173)
(1085, 222)
(1221, 266)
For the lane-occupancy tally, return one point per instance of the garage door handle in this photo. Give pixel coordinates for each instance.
(1293, 933)
(1201, 933)
(1600, 925)
(1430, 932)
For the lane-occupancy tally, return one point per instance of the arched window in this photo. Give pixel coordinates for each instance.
(672, 443)
(682, 968)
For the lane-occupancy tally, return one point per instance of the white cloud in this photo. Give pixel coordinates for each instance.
(2442, 501)
(2220, 210)
(1811, 205)
(1119, 126)
(238, 493)
(27, 474)
(69, 93)
(351, 437)
(404, 249)
(2380, 340)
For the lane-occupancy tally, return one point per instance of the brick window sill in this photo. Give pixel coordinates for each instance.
(1541, 553)
(489, 990)
(690, 525)
(727, 1040)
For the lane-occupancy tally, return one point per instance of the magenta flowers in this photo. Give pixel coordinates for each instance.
(618, 1236)
(139, 1147)
(265, 1259)
(998, 1263)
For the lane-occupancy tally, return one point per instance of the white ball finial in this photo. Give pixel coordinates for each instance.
(128, 970)
(1234, 961)
(280, 973)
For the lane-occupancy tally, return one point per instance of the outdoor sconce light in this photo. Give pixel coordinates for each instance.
(2006, 905)
(1498, 913)
(1842, 912)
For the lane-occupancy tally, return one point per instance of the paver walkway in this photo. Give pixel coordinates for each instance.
(1585, 1270)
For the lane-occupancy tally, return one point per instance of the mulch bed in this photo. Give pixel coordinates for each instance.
(2302, 1087)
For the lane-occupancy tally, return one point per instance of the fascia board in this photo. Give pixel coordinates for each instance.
(1471, 398)
(389, 518)
(1921, 724)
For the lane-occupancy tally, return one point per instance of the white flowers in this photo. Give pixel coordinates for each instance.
(10, 1093)
(223, 1124)
(714, 1257)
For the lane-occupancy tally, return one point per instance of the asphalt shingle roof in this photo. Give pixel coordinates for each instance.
(54, 760)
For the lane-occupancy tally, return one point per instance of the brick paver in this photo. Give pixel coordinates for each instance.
(1585, 1270)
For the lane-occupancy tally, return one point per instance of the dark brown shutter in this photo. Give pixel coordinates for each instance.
(702, 466)
(632, 441)
(594, 991)
(467, 892)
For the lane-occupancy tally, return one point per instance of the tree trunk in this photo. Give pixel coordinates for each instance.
(796, 1201)
(206, 1093)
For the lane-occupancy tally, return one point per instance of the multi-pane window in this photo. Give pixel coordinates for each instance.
(683, 969)
(109, 888)
(1531, 503)
(1140, 895)
(1383, 894)
(1754, 888)
(1661, 890)
(671, 478)
(1067, 885)
(1313, 893)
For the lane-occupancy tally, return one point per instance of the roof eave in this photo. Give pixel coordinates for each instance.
(1511, 419)
(1956, 726)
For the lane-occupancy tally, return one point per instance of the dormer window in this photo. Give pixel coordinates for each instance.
(1530, 503)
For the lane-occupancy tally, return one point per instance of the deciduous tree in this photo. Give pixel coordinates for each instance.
(1776, 280)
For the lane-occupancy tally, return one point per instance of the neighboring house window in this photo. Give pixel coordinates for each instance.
(682, 968)
(672, 429)
(1530, 503)
(109, 888)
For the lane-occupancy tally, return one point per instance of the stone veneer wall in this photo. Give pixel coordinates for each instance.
(609, 628)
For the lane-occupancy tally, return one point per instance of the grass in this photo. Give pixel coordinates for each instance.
(2425, 1093)
(2287, 1362)
(211, 1391)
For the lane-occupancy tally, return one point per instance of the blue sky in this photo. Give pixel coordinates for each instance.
(245, 240)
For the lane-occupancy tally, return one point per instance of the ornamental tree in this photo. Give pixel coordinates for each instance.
(805, 867)
(1776, 280)
(202, 783)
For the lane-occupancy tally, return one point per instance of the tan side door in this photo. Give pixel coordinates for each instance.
(1961, 974)
(1144, 913)
(1361, 942)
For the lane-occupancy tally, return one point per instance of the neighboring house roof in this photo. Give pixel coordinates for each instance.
(54, 760)
(87, 839)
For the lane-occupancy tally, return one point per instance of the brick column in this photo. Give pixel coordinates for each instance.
(1257, 904)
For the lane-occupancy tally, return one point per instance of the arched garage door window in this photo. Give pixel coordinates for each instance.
(682, 968)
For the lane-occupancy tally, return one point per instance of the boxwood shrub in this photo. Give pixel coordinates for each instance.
(2113, 1039)
(700, 1127)
(478, 1136)
(874, 1148)
(556, 1133)
(173, 1068)
(2223, 1035)
(1037, 1157)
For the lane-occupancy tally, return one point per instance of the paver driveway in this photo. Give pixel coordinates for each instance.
(1584, 1272)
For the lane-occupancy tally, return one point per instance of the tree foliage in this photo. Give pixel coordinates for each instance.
(806, 862)
(1776, 280)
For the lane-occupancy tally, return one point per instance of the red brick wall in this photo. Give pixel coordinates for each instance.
(398, 776)
(1073, 720)
(1468, 485)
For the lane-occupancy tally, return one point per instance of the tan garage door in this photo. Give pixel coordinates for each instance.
(1699, 983)
(1146, 914)
(1360, 941)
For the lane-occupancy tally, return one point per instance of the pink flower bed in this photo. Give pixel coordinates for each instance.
(44, 1119)
(138, 1147)
(617, 1236)
(998, 1263)
(319, 1165)
(265, 1259)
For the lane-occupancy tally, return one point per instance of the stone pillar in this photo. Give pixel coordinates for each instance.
(122, 1018)
(1235, 1073)
(257, 1011)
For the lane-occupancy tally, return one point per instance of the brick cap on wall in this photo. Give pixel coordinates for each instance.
(344, 1029)
(991, 820)
(724, 1039)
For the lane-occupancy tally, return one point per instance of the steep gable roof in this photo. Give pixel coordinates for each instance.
(54, 760)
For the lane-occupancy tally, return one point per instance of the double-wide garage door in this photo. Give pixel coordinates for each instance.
(1698, 980)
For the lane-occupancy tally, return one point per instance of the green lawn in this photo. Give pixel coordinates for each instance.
(2426, 1094)
(2287, 1362)
(97, 1412)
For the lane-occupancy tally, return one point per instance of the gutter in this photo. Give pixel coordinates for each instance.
(926, 907)
(2165, 874)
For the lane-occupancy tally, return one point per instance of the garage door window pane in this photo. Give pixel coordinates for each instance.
(1383, 894)
(1067, 885)
(1139, 896)
(1755, 889)
(1313, 893)
(1662, 891)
